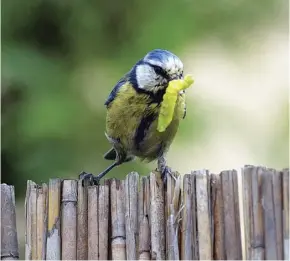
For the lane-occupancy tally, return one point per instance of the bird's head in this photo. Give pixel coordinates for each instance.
(156, 70)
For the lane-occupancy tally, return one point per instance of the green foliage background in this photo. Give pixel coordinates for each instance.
(60, 59)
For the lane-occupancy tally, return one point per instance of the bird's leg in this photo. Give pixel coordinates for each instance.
(164, 169)
(96, 179)
(121, 157)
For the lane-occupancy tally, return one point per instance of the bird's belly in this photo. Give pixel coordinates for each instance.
(156, 143)
(124, 126)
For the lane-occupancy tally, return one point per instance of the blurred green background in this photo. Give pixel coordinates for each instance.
(60, 59)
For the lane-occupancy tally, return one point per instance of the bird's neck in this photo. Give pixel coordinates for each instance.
(154, 97)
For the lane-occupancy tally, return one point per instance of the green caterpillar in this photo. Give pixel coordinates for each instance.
(169, 101)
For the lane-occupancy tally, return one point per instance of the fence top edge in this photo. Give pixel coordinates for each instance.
(202, 172)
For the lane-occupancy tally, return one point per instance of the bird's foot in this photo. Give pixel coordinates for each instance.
(165, 171)
(92, 179)
(164, 174)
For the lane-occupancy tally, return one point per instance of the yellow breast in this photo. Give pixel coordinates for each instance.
(132, 120)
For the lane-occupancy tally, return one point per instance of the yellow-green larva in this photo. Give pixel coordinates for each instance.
(169, 101)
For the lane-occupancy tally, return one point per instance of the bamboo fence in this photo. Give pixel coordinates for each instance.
(197, 216)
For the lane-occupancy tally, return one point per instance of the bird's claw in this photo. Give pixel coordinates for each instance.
(165, 172)
(92, 179)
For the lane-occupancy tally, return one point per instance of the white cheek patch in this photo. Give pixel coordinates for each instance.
(145, 76)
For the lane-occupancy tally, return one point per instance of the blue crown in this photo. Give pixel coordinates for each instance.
(159, 55)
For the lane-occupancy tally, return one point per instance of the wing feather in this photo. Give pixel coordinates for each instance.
(116, 89)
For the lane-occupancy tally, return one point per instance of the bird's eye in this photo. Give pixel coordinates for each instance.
(158, 70)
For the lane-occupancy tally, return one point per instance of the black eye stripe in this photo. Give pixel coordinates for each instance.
(158, 70)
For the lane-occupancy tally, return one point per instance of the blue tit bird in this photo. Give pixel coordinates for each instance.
(133, 108)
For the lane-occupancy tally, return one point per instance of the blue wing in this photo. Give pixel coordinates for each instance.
(115, 90)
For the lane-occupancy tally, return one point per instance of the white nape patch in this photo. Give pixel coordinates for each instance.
(146, 77)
